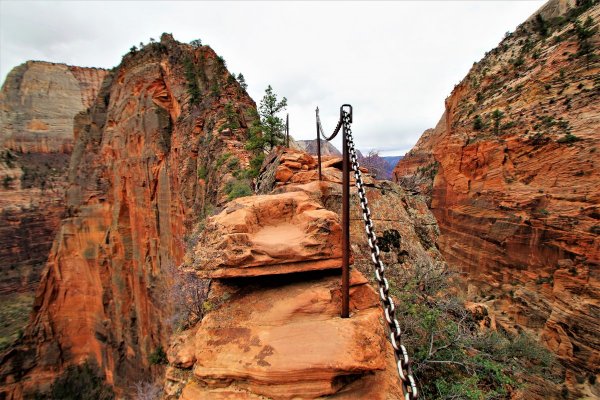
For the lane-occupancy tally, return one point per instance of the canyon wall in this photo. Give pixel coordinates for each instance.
(38, 102)
(148, 163)
(512, 171)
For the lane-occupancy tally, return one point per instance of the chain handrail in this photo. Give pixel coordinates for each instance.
(403, 362)
(335, 131)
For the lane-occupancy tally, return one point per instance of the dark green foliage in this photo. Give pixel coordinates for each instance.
(192, 81)
(196, 43)
(215, 89)
(478, 123)
(242, 81)
(272, 125)
(202, 172)
(81, 382)
(584, 32)
(497, 115)
(541, 26)
(7, 181)
(390, 240)
(237, 188)
(255, 164)
(568, 139)
(267, 130)
(133, 49)
(451, 358)
(519, 61)
(158, 356)
(231, 116)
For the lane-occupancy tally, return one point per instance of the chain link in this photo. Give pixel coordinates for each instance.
(335, 131)
(402, 361)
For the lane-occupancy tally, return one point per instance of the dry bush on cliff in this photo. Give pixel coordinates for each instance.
(188, 297)
(147, 390)
(376, 165)
(453, 358)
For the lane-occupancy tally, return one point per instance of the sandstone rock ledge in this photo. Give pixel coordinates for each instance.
(274, 330)
(266, 235)
(288, 341)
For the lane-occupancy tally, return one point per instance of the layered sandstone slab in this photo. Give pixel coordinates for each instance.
(271, 234)
(286, 340)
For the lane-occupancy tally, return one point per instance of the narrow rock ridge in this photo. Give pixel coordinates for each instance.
(274, 330)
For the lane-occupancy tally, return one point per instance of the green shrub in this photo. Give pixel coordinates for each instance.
(478, 123)
(82, 382)
(237, 188)
(568, 138)
(158, 356)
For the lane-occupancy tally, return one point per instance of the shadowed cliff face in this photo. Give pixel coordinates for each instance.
(134, 193)
(516, 191)
(37, 104)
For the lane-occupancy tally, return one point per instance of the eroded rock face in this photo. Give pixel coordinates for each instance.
(135, 191)
(38, 102)
(267, 235)
(516, 192)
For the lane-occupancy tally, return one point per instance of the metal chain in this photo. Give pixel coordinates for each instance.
(403, 363)
(335, 131)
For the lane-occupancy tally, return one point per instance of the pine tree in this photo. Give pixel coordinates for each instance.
(242, 81)
(272, 126)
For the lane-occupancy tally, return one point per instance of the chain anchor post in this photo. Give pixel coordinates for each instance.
(318, 144)
(345, 118)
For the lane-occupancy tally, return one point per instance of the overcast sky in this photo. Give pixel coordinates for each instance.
(395, 62)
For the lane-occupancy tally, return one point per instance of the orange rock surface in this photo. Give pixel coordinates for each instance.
(38, 102)
(266, 235)
(516, 194)
(134, 193)
(279, 336)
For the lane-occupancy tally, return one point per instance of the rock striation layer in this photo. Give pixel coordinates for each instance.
(145, 168)
(512, 171)
(38, 102)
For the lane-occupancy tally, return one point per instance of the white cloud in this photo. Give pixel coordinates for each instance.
(394, 61)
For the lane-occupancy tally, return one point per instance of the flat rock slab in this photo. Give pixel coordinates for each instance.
(269, 235)
(286, 342)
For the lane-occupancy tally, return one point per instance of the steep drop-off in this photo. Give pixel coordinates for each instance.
(38, 102)
(512, 170)
(147, 164)
(272, 329)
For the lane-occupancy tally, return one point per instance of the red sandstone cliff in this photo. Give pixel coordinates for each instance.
(516, 192)
(136, 187)
(38, 102)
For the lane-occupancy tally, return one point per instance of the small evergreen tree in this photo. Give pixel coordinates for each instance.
(584, 32)
(196, 43)
(231, 116)
(541, 26)
(272, 126)
(497, 115)
(478, 123)
(242, 81)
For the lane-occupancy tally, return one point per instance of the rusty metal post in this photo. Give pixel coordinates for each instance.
(287, 130)
(345, 222)
(318, 145)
